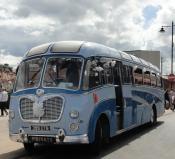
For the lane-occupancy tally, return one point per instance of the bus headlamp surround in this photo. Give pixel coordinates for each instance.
(74, 114)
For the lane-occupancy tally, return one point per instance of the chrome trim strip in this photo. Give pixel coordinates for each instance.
(124, 130)
(82, 139)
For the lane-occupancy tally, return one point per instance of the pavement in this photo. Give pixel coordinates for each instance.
(6, 145)
(146, 142)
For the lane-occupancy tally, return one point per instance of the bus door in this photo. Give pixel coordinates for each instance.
(119, 95)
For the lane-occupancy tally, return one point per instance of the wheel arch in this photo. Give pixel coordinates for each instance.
(104, 118)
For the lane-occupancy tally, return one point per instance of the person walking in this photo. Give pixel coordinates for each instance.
(4, 100)
(167, 99)
(1, 103)
(172, 99)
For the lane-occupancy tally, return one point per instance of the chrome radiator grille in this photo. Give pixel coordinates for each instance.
(52, 108)
(26, 108)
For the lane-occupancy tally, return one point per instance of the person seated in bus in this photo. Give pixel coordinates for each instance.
(50, 76)
(73, 73)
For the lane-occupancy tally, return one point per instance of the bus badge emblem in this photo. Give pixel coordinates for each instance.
(38, 110)
(39, 92)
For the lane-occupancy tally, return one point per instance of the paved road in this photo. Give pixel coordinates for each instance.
(157, 142)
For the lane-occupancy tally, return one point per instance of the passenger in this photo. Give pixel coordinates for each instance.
(72, 73)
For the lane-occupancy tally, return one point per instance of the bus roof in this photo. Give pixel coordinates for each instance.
(87, 49)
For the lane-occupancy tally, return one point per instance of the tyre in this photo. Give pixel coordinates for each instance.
(96, 145)
(153, 120)
(29, 147)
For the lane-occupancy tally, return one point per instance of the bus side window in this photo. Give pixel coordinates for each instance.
(159, 81)
(91, 77)
(127, 74)
(153, 79)
(108, 72)
(146, 79)
(138, 77)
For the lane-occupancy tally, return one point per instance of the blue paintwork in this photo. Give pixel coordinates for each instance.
(138, 99)
(108, 108)
(89, 49)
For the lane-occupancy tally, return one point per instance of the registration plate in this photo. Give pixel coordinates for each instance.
(42, 139)
(40, 128)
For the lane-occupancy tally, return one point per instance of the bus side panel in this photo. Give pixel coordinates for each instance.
(107, 106)
(130, 111)
(145, 98)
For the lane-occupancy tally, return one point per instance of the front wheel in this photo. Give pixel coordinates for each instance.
(96, 145)
(29, 147)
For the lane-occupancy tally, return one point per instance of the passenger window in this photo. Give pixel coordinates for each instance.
(127, 74)
(98, 72)
(108, 70)
(153, 79)
(138, 77)
(92, 74)
(147, 79)
(159, 81)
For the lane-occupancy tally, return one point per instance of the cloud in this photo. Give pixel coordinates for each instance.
(5, 57)
(116, 23)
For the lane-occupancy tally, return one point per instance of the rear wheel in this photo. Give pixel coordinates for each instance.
(153, 116)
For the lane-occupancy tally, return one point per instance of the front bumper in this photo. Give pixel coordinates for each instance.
(78, 139)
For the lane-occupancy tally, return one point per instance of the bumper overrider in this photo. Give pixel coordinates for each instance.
(60, 138)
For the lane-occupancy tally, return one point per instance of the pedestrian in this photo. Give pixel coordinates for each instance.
(4, 100)
(1, 103)
(167, 99)
(172, 99)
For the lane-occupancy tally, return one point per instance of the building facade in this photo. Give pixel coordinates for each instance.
(151, 56)
(7, 77)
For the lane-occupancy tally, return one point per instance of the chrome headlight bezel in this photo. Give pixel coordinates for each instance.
(74, 114)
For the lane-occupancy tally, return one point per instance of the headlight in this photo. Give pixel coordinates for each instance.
(11, 114)
(74, 126)
(74, 114)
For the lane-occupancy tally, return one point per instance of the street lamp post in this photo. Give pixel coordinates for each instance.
(172, 44)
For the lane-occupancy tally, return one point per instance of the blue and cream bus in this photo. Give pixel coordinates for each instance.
(72, 92)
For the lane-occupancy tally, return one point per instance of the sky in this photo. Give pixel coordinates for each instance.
(121, 24)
